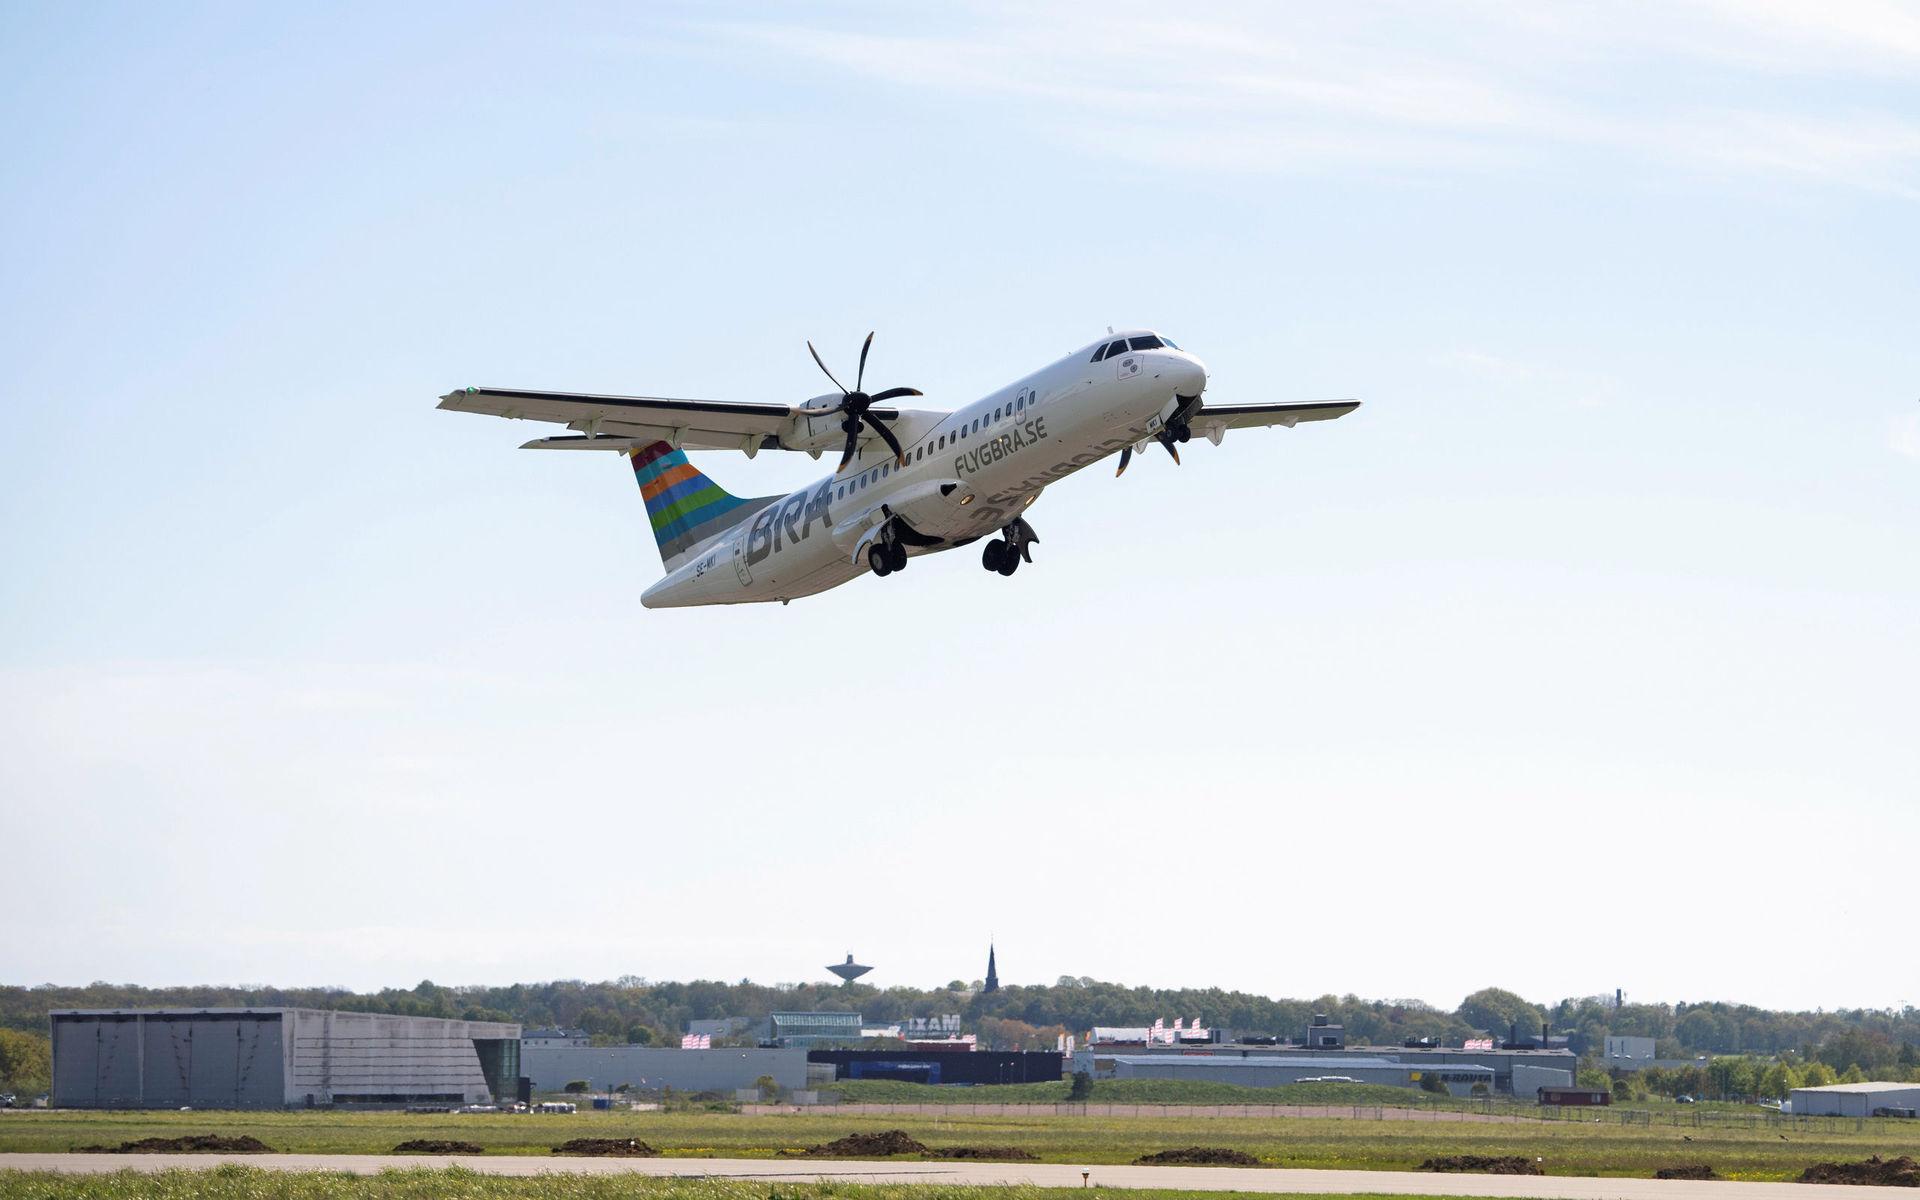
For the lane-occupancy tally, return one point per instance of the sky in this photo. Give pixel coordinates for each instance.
(1582, 656)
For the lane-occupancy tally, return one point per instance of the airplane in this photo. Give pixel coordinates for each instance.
(910, 481)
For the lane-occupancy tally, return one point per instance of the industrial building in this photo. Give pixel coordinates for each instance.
(1858, 1100)
(1273, 1070)
(1505, 1064)
(957, 1065)
(805, 1029)
(655, 1068)
(276, 1058)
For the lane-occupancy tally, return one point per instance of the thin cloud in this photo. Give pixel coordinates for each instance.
(1407, 87)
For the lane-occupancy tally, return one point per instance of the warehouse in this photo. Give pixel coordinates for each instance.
(1278, 1070)
(656, 1068)
(1503, 1063)
(1857, 1100)
(276, 1058)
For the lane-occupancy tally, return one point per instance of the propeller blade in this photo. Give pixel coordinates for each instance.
(1173, 450)
(860, 380)
(1126, 456)
(823, 367)
(896, 393)
(886, 435)
(846, 456)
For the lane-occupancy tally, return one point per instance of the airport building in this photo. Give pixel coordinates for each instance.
(1516, 1071)
(1272, 1070)
(1858, 1100)
(656, 1068)
(806, 1029)
(276, 1058)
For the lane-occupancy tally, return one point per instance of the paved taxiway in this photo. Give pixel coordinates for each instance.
(1212, 1179)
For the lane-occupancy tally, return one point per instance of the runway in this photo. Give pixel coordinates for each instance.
(1057, 1175)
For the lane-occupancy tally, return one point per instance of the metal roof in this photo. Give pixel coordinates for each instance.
(1863, 1087)
(1330, 1065)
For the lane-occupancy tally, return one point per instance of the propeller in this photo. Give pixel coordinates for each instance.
(1126, 452)
(854, 404)
(1171, 434)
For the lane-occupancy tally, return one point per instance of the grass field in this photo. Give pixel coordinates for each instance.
(247, 1183)
(1565, 1148)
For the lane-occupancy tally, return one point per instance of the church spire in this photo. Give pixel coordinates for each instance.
(993, 975)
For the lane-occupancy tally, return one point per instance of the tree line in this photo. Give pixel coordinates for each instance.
(636, 1010)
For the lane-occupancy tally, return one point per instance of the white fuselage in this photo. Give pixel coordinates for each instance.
(969, 474)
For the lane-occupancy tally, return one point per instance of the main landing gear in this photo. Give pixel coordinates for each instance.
(887, 557)
(1005, 553)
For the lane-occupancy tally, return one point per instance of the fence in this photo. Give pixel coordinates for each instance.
(1480, 1111)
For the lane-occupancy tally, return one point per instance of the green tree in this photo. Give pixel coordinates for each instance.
(1853, 1074)
(576, 1086)
(1430, 1081)
(1594, 1079)
(1497, 1010)
(26, 1061)
(1082, 1089)
(1818, 1074)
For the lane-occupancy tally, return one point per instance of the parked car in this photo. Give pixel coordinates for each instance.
(7, 1099)
(1683, 1099)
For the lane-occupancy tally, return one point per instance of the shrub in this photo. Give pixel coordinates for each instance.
(577, 1086)
(1082, 1089)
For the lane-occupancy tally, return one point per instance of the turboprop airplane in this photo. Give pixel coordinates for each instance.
(910, 481)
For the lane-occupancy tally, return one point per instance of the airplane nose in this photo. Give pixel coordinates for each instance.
(1190, 376)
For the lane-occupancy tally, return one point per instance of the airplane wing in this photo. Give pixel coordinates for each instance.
(621, 422)
(1215, 419)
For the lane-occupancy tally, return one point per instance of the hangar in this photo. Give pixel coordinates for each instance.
(1276, 1070)
(654, 1068)
(1857, 1100)
(276, 1058)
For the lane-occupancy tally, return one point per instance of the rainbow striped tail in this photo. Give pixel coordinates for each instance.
(685, 507)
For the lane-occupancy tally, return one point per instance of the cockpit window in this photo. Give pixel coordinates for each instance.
(1169, 343)
(1099, 352)
(1145, 343)
(1119, 347)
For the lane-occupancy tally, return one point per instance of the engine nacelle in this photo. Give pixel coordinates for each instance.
(815, 426)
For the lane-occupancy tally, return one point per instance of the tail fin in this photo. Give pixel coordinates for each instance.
(684, 506)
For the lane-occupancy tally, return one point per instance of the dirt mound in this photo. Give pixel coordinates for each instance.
(197, 1143)
(1484, 1164)
(438, 1146)
(1201, 1155)
(607, 1147)
(1876, 1171)
(870, 1145)
(1699, 1171)
(995, 1153)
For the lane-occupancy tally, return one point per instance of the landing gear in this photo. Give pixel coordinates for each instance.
(886, 557)
(1005, 553)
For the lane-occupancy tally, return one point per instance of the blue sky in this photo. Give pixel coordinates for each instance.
(1608, 593)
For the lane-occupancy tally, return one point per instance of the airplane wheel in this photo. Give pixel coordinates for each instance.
(879, 560)
(994, 555)
(1183, 433)
(1010, 561)
(897, 556)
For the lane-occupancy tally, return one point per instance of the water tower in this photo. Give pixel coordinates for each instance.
(849, 970)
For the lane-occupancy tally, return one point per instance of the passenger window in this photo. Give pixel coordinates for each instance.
(1145, 343)
(996, 414)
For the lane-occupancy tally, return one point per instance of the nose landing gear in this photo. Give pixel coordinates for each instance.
(1005, 553)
